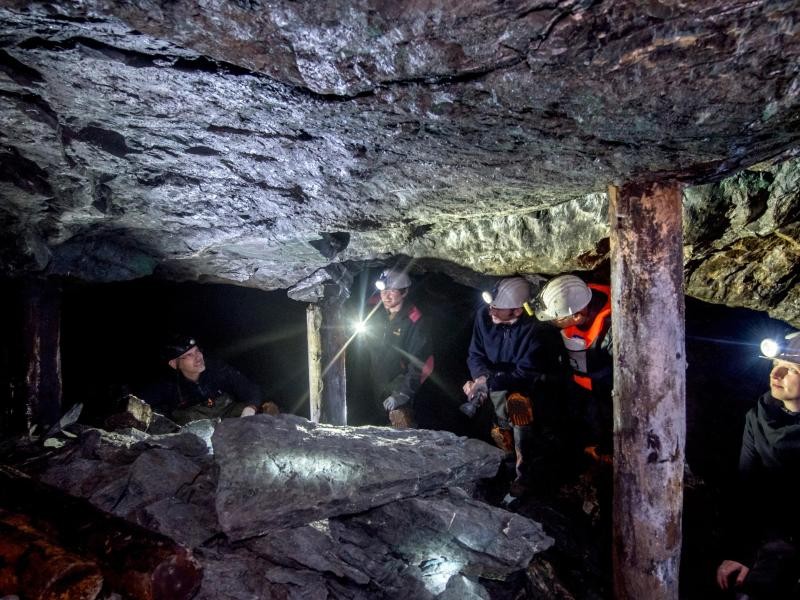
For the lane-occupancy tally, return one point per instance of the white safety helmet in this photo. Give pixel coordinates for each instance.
(393, 279)
(512, 292)
(787, 349)
(561, 297)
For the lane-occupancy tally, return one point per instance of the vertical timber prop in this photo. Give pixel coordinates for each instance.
(649, 388)
(326, 363)
(42, 350)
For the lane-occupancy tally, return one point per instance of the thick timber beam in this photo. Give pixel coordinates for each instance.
(649, 388)
(326, 363)
(42, 353)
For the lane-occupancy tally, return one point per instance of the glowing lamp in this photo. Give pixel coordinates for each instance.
(380, 284)
(770, 348)
(487, 297)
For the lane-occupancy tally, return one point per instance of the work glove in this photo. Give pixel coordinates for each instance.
(395, 401)
(520, 410)
(249, 411)
(479, 392)
(270, 408)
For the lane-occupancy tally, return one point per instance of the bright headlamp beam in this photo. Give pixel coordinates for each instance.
(770, 348)
(380, 284)
(487, 297)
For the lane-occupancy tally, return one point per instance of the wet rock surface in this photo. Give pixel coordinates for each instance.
(433, 540)
(260, 143)
(278, 472)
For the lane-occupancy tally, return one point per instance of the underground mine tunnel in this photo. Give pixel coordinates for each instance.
(244, 171)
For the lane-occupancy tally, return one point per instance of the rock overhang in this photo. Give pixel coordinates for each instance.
(216, 141)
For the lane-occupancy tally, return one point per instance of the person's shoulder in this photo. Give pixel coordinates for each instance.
(414, 314)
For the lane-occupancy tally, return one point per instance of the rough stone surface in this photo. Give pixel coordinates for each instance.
(451, 533)
(282, 471)
(258, 143)
(438, 546)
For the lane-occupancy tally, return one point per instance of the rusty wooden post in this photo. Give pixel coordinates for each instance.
(326, 363)
(649, 388)
(42, 352)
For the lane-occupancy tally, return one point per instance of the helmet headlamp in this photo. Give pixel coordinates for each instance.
(787, 349)
(770, 348)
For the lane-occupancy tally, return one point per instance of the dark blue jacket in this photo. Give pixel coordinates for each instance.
(512, 357)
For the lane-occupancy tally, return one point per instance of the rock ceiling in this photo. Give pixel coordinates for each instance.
(259, 142)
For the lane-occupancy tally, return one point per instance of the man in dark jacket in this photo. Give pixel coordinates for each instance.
(508, 361)
(402, 357)
(200, 388)
(768, 523)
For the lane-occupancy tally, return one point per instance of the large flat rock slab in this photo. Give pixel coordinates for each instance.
(279, 472)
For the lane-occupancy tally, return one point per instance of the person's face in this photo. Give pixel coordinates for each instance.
(784, 381)
(392, 299)
(191, 363)
(577, 319)
(504, 316)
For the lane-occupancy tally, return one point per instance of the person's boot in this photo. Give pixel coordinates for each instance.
(598, 456)
(503, 438)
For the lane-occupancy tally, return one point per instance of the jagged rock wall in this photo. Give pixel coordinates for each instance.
(219, 141)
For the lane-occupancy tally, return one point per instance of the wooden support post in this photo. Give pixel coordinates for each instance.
(649, 388)
(42, 350)
(326, 364)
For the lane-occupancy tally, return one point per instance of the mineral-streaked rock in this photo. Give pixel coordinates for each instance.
(451, 533)
(278, 472)
(223, 140)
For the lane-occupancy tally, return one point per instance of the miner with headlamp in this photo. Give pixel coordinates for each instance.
(401, 357)
(201, 388)
(582, 312)
(766, 523)
(508, 361)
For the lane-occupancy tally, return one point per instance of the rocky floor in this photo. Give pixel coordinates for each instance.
(278, 507)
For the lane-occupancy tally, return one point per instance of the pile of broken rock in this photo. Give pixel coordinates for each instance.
(280, 507)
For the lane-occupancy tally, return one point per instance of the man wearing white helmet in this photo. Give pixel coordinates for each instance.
(508, 362)
(583, 314)
(402, 358)
(766, 523)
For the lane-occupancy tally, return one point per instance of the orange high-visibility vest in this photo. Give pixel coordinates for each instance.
(579, 358)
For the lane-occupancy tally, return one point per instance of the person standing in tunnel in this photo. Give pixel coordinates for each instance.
(583, 314)
(401, 357)
(765, 526)
(201, 388)
(509, 361)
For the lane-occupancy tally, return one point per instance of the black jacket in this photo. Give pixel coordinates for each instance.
(218, 378)
(769, 463)
(402, 355)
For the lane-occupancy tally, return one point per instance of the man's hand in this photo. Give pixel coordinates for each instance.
(727, 570)
(248, 411)
(395, 401)
(470, 386)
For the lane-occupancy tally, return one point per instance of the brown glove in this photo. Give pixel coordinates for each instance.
(402, 418)
(270, 408)
(520, 411)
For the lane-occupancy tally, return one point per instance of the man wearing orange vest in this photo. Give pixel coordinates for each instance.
(583, 314)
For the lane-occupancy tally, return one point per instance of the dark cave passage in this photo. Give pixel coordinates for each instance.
(111, 334)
